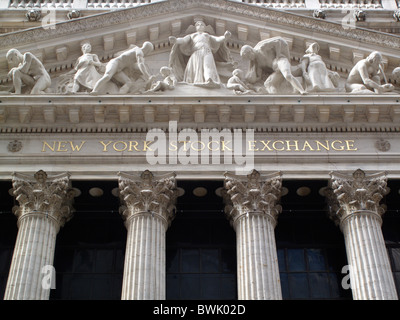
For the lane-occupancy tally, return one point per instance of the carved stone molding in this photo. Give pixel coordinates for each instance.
(148, 194)
(14, 146)
(359, 213)
(382, 145)
(41, 194)
(253, 194)
(358, 192)
(167, 7)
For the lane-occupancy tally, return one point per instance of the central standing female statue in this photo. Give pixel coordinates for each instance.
(200, 58)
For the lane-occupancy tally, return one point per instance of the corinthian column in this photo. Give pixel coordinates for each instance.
(44, 207)
(148, 210)
(253, 212)
(359, 214)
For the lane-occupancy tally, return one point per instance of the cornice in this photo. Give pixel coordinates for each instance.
(223, 7)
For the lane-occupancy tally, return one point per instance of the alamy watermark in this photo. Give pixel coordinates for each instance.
(348, 270)
(205, 147)
(349, 20)
(49, 277)
(49, 19)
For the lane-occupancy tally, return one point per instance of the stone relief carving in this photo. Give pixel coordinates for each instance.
(86, 69)
(129, 70)
(200, 58)
(27, 70)
(357, 192)
(382, 145)
(254, 194)
(168, 83)
(148, 194)
(42, 194)
(14, 146)
(271, 56)
(315, 73)
(236, 83)
(365, 77)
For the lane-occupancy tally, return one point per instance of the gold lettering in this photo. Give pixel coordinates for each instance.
(184, 144)
(105, 145)
(288, 145)
(274, 147)
(76, 147)
(199, 142)
(326, 147)
(341, 148)
(350, 145)
(266, 145)
(306, 144)
(146, 145)
(224, 146)
(62, 146)
(48, 146)
(173, 143)
(125, 146)
(133, 144)
(211, 149)
(252, 145)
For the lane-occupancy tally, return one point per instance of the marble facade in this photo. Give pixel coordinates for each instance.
(218, 90)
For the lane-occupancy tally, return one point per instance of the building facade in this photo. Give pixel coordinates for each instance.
(183, 150)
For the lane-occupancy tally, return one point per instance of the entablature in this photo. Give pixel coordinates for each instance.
(119, 113)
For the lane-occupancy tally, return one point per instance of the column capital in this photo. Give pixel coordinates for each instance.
(41, 194)
(253, 194)
(356, 193)
(148, 194)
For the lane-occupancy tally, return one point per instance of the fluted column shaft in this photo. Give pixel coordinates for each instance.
(257, 261)
(371, 275)
(252, 207)
(44, 208)
(144, 271)
(359, 214)
(148, 206)
(34, 249)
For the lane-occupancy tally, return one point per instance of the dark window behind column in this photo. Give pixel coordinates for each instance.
(311, 251)
(8, 233)
(90, 248)
(201, 247)
(391, 229)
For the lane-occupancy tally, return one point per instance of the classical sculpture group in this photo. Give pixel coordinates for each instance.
(203, 60)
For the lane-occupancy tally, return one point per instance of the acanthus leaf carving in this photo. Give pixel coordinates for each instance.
(253, 194)
(51, 196)
(357, 192)
(148, 194)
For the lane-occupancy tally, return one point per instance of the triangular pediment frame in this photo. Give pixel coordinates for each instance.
(58, 46)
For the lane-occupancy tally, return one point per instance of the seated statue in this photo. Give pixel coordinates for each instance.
(365, 77)
(27, 69)
(168, 83)
(237, 84)
(271, 55)
(121, 67)
(315, 73)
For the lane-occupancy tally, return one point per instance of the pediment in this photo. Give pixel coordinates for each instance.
(58, 46)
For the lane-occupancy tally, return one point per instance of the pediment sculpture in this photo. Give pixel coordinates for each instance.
(27, 70)
(200, 57)
(365, 77)
(201, 60)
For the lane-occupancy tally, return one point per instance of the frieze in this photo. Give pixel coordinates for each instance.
(200, 60)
